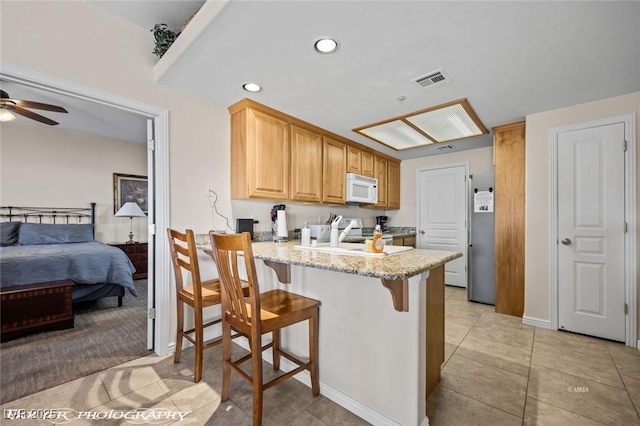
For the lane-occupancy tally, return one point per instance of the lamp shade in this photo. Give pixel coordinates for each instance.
(130, 209)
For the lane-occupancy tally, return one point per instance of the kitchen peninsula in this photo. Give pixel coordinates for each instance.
(381, 325)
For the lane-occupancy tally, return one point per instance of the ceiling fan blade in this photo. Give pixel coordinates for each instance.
(30, 114)
(38, 105)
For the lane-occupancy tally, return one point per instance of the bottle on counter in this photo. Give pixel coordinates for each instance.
(335, 234)
(377, 246)
(306, 236)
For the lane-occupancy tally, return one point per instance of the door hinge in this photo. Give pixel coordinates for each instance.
(625, 146)
(152, 229)
(151, 144)
(626, 309)
(152, 313)
(625, 226)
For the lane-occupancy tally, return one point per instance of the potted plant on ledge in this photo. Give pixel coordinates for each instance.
(164, 39)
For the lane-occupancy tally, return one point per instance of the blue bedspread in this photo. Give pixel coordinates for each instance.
(84, 263)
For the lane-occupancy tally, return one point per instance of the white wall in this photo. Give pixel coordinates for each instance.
(480, 162)
(298, 213)
(42, 166)
(537, 282)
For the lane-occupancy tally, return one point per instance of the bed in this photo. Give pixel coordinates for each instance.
(49, 252)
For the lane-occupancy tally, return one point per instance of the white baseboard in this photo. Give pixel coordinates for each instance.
(536, 322)
(328, 391)
(638, 345)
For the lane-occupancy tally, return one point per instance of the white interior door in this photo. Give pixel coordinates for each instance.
(591, 231)
(442, 214)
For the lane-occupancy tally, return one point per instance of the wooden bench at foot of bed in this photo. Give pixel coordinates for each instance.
(34, 307)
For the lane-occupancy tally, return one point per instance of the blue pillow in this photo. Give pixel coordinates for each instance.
(9, 233)
(47, 233)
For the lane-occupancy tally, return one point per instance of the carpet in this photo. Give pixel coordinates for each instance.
(104, 336)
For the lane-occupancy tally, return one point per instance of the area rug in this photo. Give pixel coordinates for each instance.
(104, 336)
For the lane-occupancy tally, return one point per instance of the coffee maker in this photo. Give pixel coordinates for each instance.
(382, 221)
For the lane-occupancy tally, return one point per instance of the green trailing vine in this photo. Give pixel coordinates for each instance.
(164, 39)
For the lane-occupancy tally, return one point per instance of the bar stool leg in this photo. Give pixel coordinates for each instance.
(178, 353)
(276, 349)
(313, 352)
(226, 359)
(199, 335)
(256, 360)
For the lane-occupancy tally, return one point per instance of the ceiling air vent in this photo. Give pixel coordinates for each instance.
(433, 79)
(446, 147)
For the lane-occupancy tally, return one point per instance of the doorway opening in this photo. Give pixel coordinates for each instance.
(157, 166)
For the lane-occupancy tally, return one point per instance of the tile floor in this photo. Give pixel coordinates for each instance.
(497, 372)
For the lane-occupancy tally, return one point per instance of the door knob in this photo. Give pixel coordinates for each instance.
(566, 241)
(422, 231)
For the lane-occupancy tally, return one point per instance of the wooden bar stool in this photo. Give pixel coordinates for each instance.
(198, 295)
(277, 308)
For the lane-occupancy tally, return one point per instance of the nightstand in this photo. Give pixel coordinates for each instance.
(138, 254)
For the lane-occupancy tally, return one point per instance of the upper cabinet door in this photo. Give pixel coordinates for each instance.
(354, 160)
(393, 185)
(306, 169)
(367, 164)
(334, 169)
(380, 167)
(267, 156)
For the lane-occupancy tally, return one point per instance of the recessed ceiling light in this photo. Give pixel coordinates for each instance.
(252, 87)
(326, 45)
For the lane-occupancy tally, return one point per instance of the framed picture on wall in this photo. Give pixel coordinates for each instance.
(128, 188)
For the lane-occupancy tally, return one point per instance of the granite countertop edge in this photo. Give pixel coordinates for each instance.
(394, 267)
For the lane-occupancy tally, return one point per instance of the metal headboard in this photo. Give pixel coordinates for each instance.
(56, 215)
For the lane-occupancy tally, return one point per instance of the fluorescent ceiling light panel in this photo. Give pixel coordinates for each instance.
(442, 123)
(396, 134)
(446, 124)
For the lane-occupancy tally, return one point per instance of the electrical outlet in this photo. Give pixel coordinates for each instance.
(208, 189)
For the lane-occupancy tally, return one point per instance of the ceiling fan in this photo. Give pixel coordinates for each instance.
(17, 106)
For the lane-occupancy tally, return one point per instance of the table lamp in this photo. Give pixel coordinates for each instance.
(132, 210)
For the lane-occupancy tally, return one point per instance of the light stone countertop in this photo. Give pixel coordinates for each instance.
(397, 266)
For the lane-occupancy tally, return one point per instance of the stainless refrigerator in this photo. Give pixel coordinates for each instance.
(482, 273)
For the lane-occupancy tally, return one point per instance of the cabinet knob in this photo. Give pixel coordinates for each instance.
(422, 231)
(566, 241)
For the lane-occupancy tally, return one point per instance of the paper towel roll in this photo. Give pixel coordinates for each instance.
(282, 224)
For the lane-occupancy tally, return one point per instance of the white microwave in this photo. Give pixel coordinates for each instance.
(361, 189)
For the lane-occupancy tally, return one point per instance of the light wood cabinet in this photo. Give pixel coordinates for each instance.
(259, 156)
(306, 167)
(380, 166)
(279, 157)
(354, 160)
(393, 185)
(334, 169)
(509, 157)
(404, 241)
(360, 161)
(367, 164)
